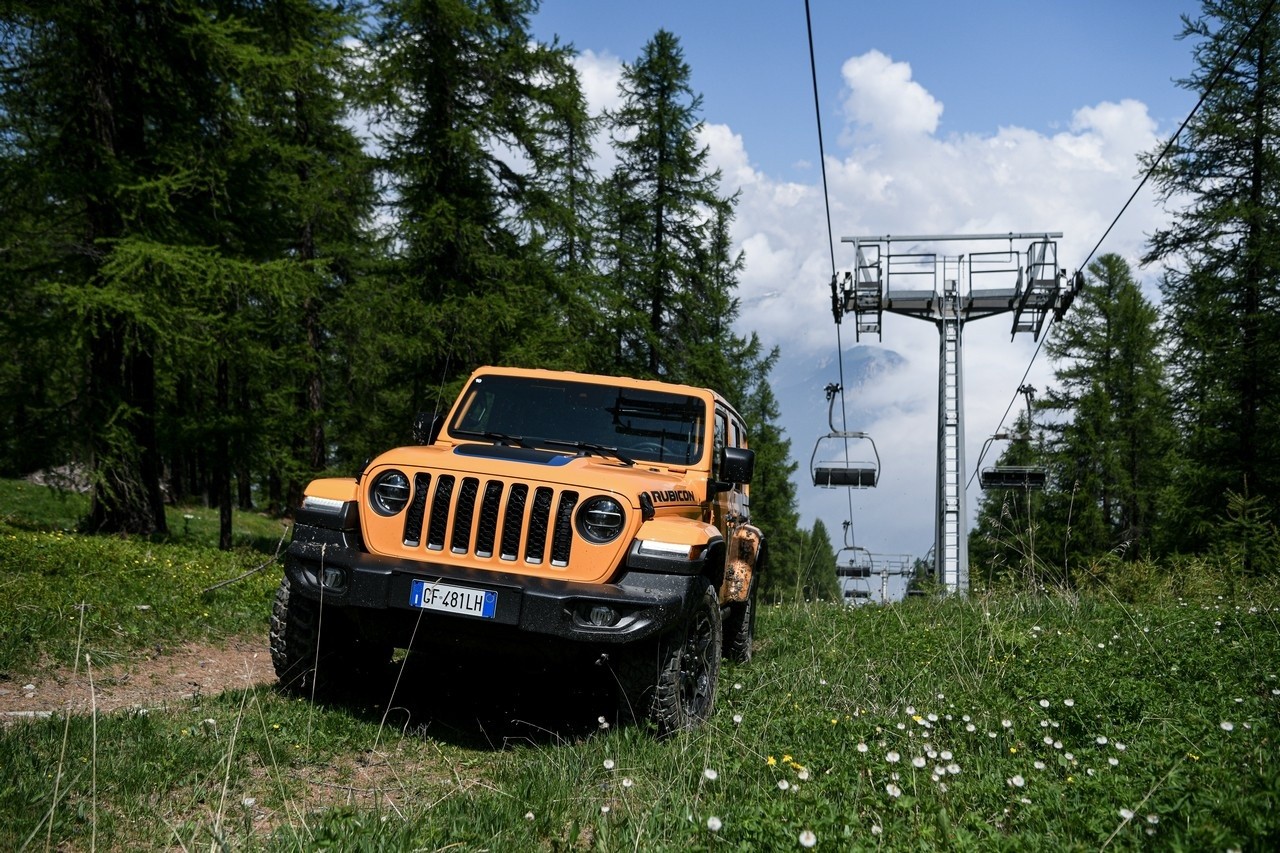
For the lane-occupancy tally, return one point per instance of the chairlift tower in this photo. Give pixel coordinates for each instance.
(905, 275)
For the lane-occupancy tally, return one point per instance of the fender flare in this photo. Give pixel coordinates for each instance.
(740, 571)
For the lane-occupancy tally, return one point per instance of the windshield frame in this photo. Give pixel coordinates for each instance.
(610, 419)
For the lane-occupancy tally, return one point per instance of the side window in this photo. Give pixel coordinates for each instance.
(721, 436)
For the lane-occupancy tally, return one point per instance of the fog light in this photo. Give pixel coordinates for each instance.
(602, 616)
(333, 579)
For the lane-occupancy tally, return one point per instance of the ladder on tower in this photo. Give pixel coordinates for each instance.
(1039, 288)
(951, 554)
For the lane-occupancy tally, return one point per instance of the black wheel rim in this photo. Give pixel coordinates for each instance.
(696, 664)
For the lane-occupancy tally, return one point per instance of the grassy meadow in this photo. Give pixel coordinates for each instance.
(1005, 721)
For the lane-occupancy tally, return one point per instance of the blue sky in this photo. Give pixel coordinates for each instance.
(992, 63)
(938, 118)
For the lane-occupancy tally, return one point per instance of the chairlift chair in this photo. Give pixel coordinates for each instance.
(833, 465)
(854, 561)
(1010, 476)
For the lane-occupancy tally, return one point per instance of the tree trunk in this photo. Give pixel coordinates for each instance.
(222, 465)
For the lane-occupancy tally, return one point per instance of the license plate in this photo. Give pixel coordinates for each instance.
(454, 599)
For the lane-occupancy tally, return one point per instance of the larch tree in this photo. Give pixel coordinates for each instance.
(1221, 252)
(671, 272)
(314, 210)
(559, 220)
(1103, 434)
(457, 93)
(1109, 414)
(113, 117)
(1013, 535)
(662, 201)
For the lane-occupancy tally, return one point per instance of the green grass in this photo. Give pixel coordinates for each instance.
(29, 507)
(40, 507)
(1007, 721)
(132, 593)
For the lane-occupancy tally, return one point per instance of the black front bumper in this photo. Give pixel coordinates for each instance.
(646, 603)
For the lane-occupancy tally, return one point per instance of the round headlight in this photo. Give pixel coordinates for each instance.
(600, 519)
(389, 492)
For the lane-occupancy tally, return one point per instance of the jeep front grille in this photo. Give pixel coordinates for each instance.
(467, 518)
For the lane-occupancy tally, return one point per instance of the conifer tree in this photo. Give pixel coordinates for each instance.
(808, 573)
(1111, 433)
(457, 92)
(1221, 284)
(559, 222)
(178, 164)
(314, 210)
(673, 274)
(659, 197)
(1012, 535)
(1103, 433)
(113, 115)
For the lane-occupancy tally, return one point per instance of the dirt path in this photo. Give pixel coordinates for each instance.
(149, 680)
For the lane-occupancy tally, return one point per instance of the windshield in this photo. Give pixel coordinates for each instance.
(646, 426)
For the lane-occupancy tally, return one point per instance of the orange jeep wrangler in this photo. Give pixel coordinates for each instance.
(548, 509)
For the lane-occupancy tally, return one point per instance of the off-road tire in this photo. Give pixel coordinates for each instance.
(303, 664)
(740, 628)
(672, 684)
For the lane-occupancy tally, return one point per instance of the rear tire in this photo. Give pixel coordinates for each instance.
(740, 629)
(673, 684)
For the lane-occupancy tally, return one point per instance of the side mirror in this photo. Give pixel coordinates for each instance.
(426, 427)
(737, 464)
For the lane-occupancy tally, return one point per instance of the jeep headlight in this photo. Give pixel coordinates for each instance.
(601, 519)
(389, 492)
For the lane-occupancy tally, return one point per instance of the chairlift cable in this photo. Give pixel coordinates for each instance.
(826, 201)
(822, 156)
(826, 197)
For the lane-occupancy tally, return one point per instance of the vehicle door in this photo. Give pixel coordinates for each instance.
(732, 504)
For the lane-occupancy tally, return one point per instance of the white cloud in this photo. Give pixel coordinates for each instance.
(600, 74)
(726, 152)
(1118, 128)
(884, 99)
(1010, 180)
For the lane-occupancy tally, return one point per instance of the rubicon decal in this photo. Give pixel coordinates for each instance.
(673, 496)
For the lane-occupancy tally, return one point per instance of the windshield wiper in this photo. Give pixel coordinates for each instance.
(499, 437)
(589, 447)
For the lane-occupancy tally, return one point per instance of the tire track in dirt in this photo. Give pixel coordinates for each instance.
(150, 679)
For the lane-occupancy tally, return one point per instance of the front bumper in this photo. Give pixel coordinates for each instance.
(643, 604)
